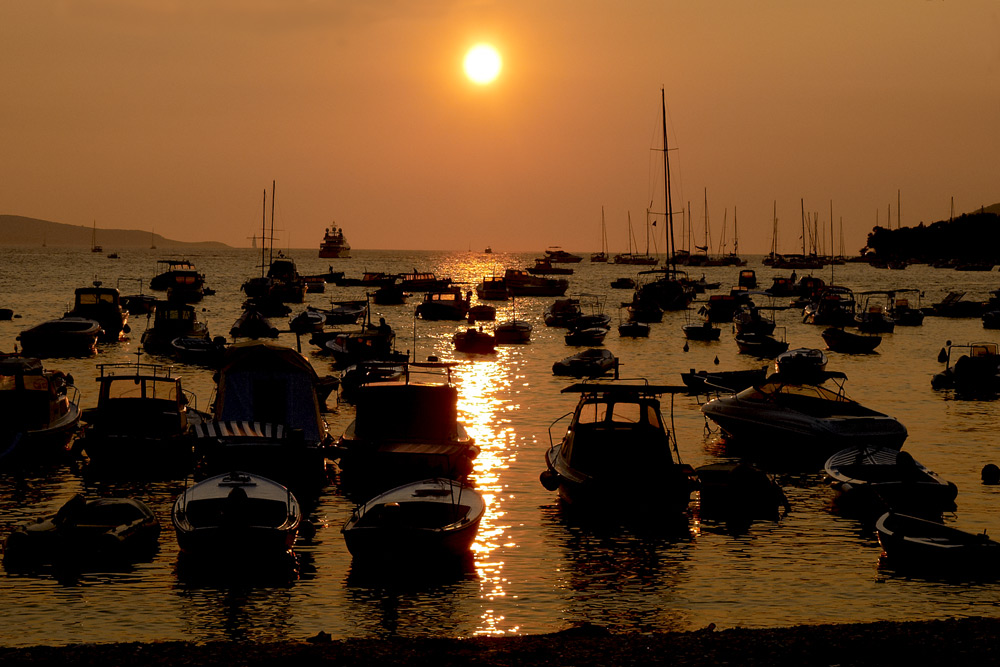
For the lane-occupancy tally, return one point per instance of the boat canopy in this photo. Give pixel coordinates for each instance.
(398, 411)
(260, 381)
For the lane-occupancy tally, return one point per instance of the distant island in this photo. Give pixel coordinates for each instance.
(969, 238)
(17, 230)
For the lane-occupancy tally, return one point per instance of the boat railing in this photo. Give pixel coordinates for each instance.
(162, 371)
(73, 394)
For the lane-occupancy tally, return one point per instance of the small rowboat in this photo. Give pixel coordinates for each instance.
(846, 342)
(425, 520)
(915, 543)
(875, 479)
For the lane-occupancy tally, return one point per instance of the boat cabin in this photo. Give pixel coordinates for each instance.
(139, 398)
(29, 396)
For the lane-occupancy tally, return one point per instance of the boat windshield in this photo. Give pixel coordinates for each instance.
(776, 390)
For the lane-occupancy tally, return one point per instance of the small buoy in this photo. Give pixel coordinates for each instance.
(943, 356)
(716, 360)
(991, 474)
(686, 348)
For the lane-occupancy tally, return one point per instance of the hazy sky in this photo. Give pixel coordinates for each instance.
(178, 114)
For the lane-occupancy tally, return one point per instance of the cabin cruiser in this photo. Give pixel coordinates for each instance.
(405, 430)
(788, 418)
(446, 305)
(141, 425)
(170, 321)
(174, 273)
(423, 281)
(41, 409)
(616, 452)
(834, 306)
(972, 369)
(102, 304)
(492, 288)
(266, 418)
(521, 283)
(803, 364)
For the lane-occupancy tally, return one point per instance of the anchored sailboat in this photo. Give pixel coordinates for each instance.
(603, 255)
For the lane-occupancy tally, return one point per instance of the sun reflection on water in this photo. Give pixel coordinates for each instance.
(485, 407)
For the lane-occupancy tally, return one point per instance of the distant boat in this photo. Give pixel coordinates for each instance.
(603, 255)
(334, 244)
(93, 240)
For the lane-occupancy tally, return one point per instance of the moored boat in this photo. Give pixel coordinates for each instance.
(910, 542)
(98, 531)
(236, 515)
(873, 480)
(846, 342)
(423, 521)
(102, 304)
(406, 430)
(41, 409)
(334, 244)
(615, 456)
(587, 364)
(473, 341)
(63, 337)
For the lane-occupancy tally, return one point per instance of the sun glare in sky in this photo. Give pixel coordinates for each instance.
(482, 64)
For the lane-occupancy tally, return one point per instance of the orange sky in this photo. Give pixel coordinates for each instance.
(177, 115)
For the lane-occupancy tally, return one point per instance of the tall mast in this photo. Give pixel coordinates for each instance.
(270, 253)
(802, 203)
(736, 235)
(263, 231)
(666, 182)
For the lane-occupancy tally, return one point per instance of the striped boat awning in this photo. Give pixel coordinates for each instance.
(237, 429)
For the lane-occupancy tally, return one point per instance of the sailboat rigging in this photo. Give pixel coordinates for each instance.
(603, 255)
(93, 240)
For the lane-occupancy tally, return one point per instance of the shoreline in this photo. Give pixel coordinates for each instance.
(966, 641)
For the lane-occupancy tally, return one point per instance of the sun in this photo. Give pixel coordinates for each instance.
(482, 64)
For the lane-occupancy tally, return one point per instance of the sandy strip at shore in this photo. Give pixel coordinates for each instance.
(974, 641)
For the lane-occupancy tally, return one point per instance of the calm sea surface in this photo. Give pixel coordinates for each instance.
(536, 570)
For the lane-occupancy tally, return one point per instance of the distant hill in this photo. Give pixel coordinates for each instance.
(972, 237)
(17, 230)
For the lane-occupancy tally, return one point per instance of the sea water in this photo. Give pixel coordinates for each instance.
(535, 568)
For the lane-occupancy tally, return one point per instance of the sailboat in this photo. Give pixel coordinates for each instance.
(603, 255)
(634, 258)
(152, 238)
(93, 240)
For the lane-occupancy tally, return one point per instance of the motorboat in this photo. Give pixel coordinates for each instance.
(701, 331)
(916, 543)
(586, 335)
(873, 480)
(371, 343)
(668, 289)
(170, 321)
(847, 342)
(747, 279)
(141, 426)
(723, 307)
(594, 362)
(492, 288)
(406, 430)
(424, 521)
(474, 341)
(563, 312)
(633, 329)
(513, 330)
(236, 515)
(266, 418)
(617, 453)
(971, 369)
(423, 281)
(174, 272)
(758, 345)
(252, 324)
(738, 493)
(41, 412)
(334, 244)
(308, 321)
(557, 255)
(390, 295)
(368, 280)
(803, 364)
(199, 351)
(834, 306)
(544, 266)
(344, 312)
(748, 319)
(63, 337)
(451, 304)
(904, 313)
(365, 372)
(787, 419)
(712, 382)
(522, 283)
(95, 531)
(286, 283)
(482, 312)
(955, 305)
(623, 283)
(874, 316)
(102, 304)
